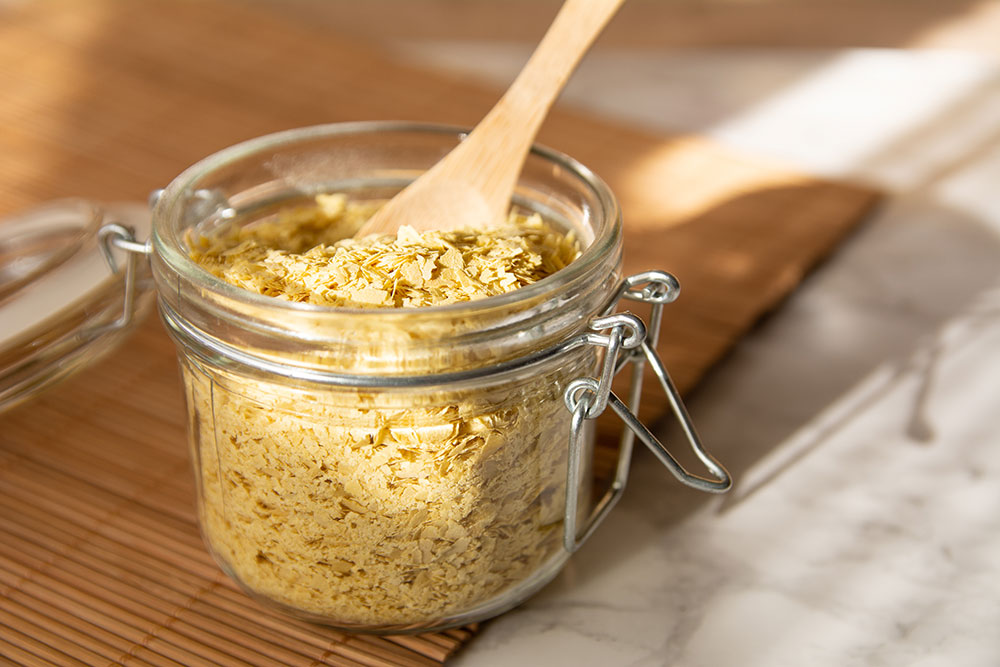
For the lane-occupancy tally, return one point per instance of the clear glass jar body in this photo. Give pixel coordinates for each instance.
(386, 470)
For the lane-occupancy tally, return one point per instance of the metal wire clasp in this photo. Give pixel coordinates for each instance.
(115, 235)
(629, 341)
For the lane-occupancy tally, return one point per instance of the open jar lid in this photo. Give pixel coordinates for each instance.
(63, 303)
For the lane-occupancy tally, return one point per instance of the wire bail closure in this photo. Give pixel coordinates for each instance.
(116, 235)
(629, 341)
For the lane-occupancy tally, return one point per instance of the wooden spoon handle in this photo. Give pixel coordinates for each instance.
(533, 92)
(504, 137)
(488, 162)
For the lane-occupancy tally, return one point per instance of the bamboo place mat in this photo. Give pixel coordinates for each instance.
(100, 558)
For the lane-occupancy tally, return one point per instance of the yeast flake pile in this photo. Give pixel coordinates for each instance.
(370, 508)
(308, 255)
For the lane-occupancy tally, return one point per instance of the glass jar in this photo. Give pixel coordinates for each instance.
(397, 469)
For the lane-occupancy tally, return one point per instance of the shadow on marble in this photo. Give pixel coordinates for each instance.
(883, 304)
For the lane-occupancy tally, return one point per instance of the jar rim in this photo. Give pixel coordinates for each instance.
(169, 246)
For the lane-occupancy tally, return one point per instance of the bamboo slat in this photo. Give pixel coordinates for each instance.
(100, 557)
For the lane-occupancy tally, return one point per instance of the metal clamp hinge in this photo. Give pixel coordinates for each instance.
(629, 341)
(115, 235)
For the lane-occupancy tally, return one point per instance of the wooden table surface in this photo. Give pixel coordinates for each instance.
(675, 24)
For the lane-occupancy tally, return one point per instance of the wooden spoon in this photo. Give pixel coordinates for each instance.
(472, 186)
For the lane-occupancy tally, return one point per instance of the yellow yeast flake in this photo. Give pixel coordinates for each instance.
(307, 254)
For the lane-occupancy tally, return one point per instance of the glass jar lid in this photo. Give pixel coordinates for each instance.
(61, 302)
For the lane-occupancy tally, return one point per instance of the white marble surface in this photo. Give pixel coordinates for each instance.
(862, 421)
